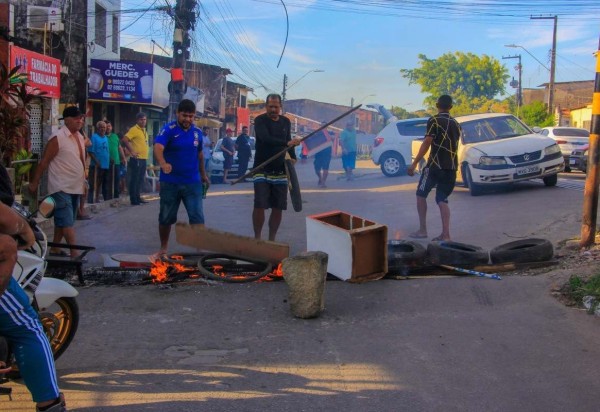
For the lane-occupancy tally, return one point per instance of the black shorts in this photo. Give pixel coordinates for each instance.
(270, 196)
(442, 179)
(322, 161)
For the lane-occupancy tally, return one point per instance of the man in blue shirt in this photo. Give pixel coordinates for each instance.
(178, 150)
(98, 176)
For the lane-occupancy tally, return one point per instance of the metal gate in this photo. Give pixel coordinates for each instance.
(35, 126)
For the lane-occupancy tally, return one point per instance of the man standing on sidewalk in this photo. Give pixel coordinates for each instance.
(178, 151)
(136, 141)
(65, 160)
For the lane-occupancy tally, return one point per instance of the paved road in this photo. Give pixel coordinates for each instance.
(452, 344)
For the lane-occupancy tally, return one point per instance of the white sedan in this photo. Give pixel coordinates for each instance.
(215, 164)
(497, 148)
(568, 138)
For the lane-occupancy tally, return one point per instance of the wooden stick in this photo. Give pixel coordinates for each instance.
(275, 156)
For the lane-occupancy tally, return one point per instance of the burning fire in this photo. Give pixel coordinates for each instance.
(163, 271)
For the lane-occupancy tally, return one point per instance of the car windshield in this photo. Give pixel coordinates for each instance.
(492, 128)
(571, 132)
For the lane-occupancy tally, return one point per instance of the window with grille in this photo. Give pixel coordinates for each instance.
(115, 34)
(100, 22)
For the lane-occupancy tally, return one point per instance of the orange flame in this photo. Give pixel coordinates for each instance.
(160, 270)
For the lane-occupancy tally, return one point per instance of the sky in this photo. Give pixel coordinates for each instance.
(344, 51)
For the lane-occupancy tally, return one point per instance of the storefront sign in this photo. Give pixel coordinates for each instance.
(43, 72)
(128, 82)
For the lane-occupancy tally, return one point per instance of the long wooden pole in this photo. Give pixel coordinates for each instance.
(275, 156)
(590, 195)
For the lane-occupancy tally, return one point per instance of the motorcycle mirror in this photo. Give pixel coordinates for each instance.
(47, 206)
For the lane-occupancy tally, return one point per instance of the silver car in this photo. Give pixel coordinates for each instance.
(215, 164)
(568, 138)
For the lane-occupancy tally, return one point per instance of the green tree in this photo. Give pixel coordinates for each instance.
(536, 114)
(402, 113)
(464, 76)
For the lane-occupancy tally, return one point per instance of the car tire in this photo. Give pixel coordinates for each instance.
(456, 254)
(551, 180)
(403, 254)
(294, 186)
(474, 188)
(393, 164)
(524, 250)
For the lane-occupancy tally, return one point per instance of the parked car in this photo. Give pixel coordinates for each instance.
(579, 158)
(392, 145)
(568, 138)
(497, 148)
(215, 164)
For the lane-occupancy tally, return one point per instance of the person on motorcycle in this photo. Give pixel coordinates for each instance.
(19, 323)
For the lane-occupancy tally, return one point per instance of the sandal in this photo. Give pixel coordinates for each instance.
(439, 239)
(417, 235)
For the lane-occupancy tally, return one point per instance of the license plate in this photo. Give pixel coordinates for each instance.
(525, 170)
(572, 161)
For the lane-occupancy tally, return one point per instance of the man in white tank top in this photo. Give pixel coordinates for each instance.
(64, 158)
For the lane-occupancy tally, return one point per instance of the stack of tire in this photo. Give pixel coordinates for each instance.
(406, 254)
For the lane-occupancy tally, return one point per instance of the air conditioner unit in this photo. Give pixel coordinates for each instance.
(44, 18)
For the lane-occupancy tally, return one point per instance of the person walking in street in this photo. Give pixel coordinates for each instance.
(244, 149)
(207, 146)
(273, 135)
(136, 141)
(178, 151)
(98, 174)
(323, 159)
(117, 158)
(228, 148)
(443, 133)
(348, 142)
(64, 159)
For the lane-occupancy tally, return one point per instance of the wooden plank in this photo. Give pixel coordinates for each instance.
(217, 241)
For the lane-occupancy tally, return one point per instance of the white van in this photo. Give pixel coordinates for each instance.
(392, 145)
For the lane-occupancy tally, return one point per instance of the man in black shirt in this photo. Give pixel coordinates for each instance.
(443, 134)
(273, 134)
(244, 149)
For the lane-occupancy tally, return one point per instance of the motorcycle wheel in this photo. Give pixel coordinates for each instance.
(60, 322)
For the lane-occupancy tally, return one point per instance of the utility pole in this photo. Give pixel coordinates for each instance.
(552, 61)
(519, 99)
(185, 19)
(285, 81)
(590, 194)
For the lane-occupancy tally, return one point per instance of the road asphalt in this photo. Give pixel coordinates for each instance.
(432, 344)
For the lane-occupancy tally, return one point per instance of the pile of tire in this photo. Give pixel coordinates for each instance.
(406, 254)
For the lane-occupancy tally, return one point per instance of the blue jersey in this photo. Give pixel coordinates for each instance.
(182, 148)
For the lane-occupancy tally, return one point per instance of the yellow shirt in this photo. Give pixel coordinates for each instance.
(138, 138)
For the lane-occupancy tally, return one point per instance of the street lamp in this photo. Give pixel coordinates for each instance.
(285, 79)
(361, 100)
(527, 51)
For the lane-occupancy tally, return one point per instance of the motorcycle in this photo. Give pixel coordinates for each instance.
(53, 299)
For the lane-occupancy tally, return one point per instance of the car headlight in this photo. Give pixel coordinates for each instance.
(216, 161)
(492, 160)
(552, 149)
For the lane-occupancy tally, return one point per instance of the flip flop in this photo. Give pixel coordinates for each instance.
(417, 235)
(439, 239)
